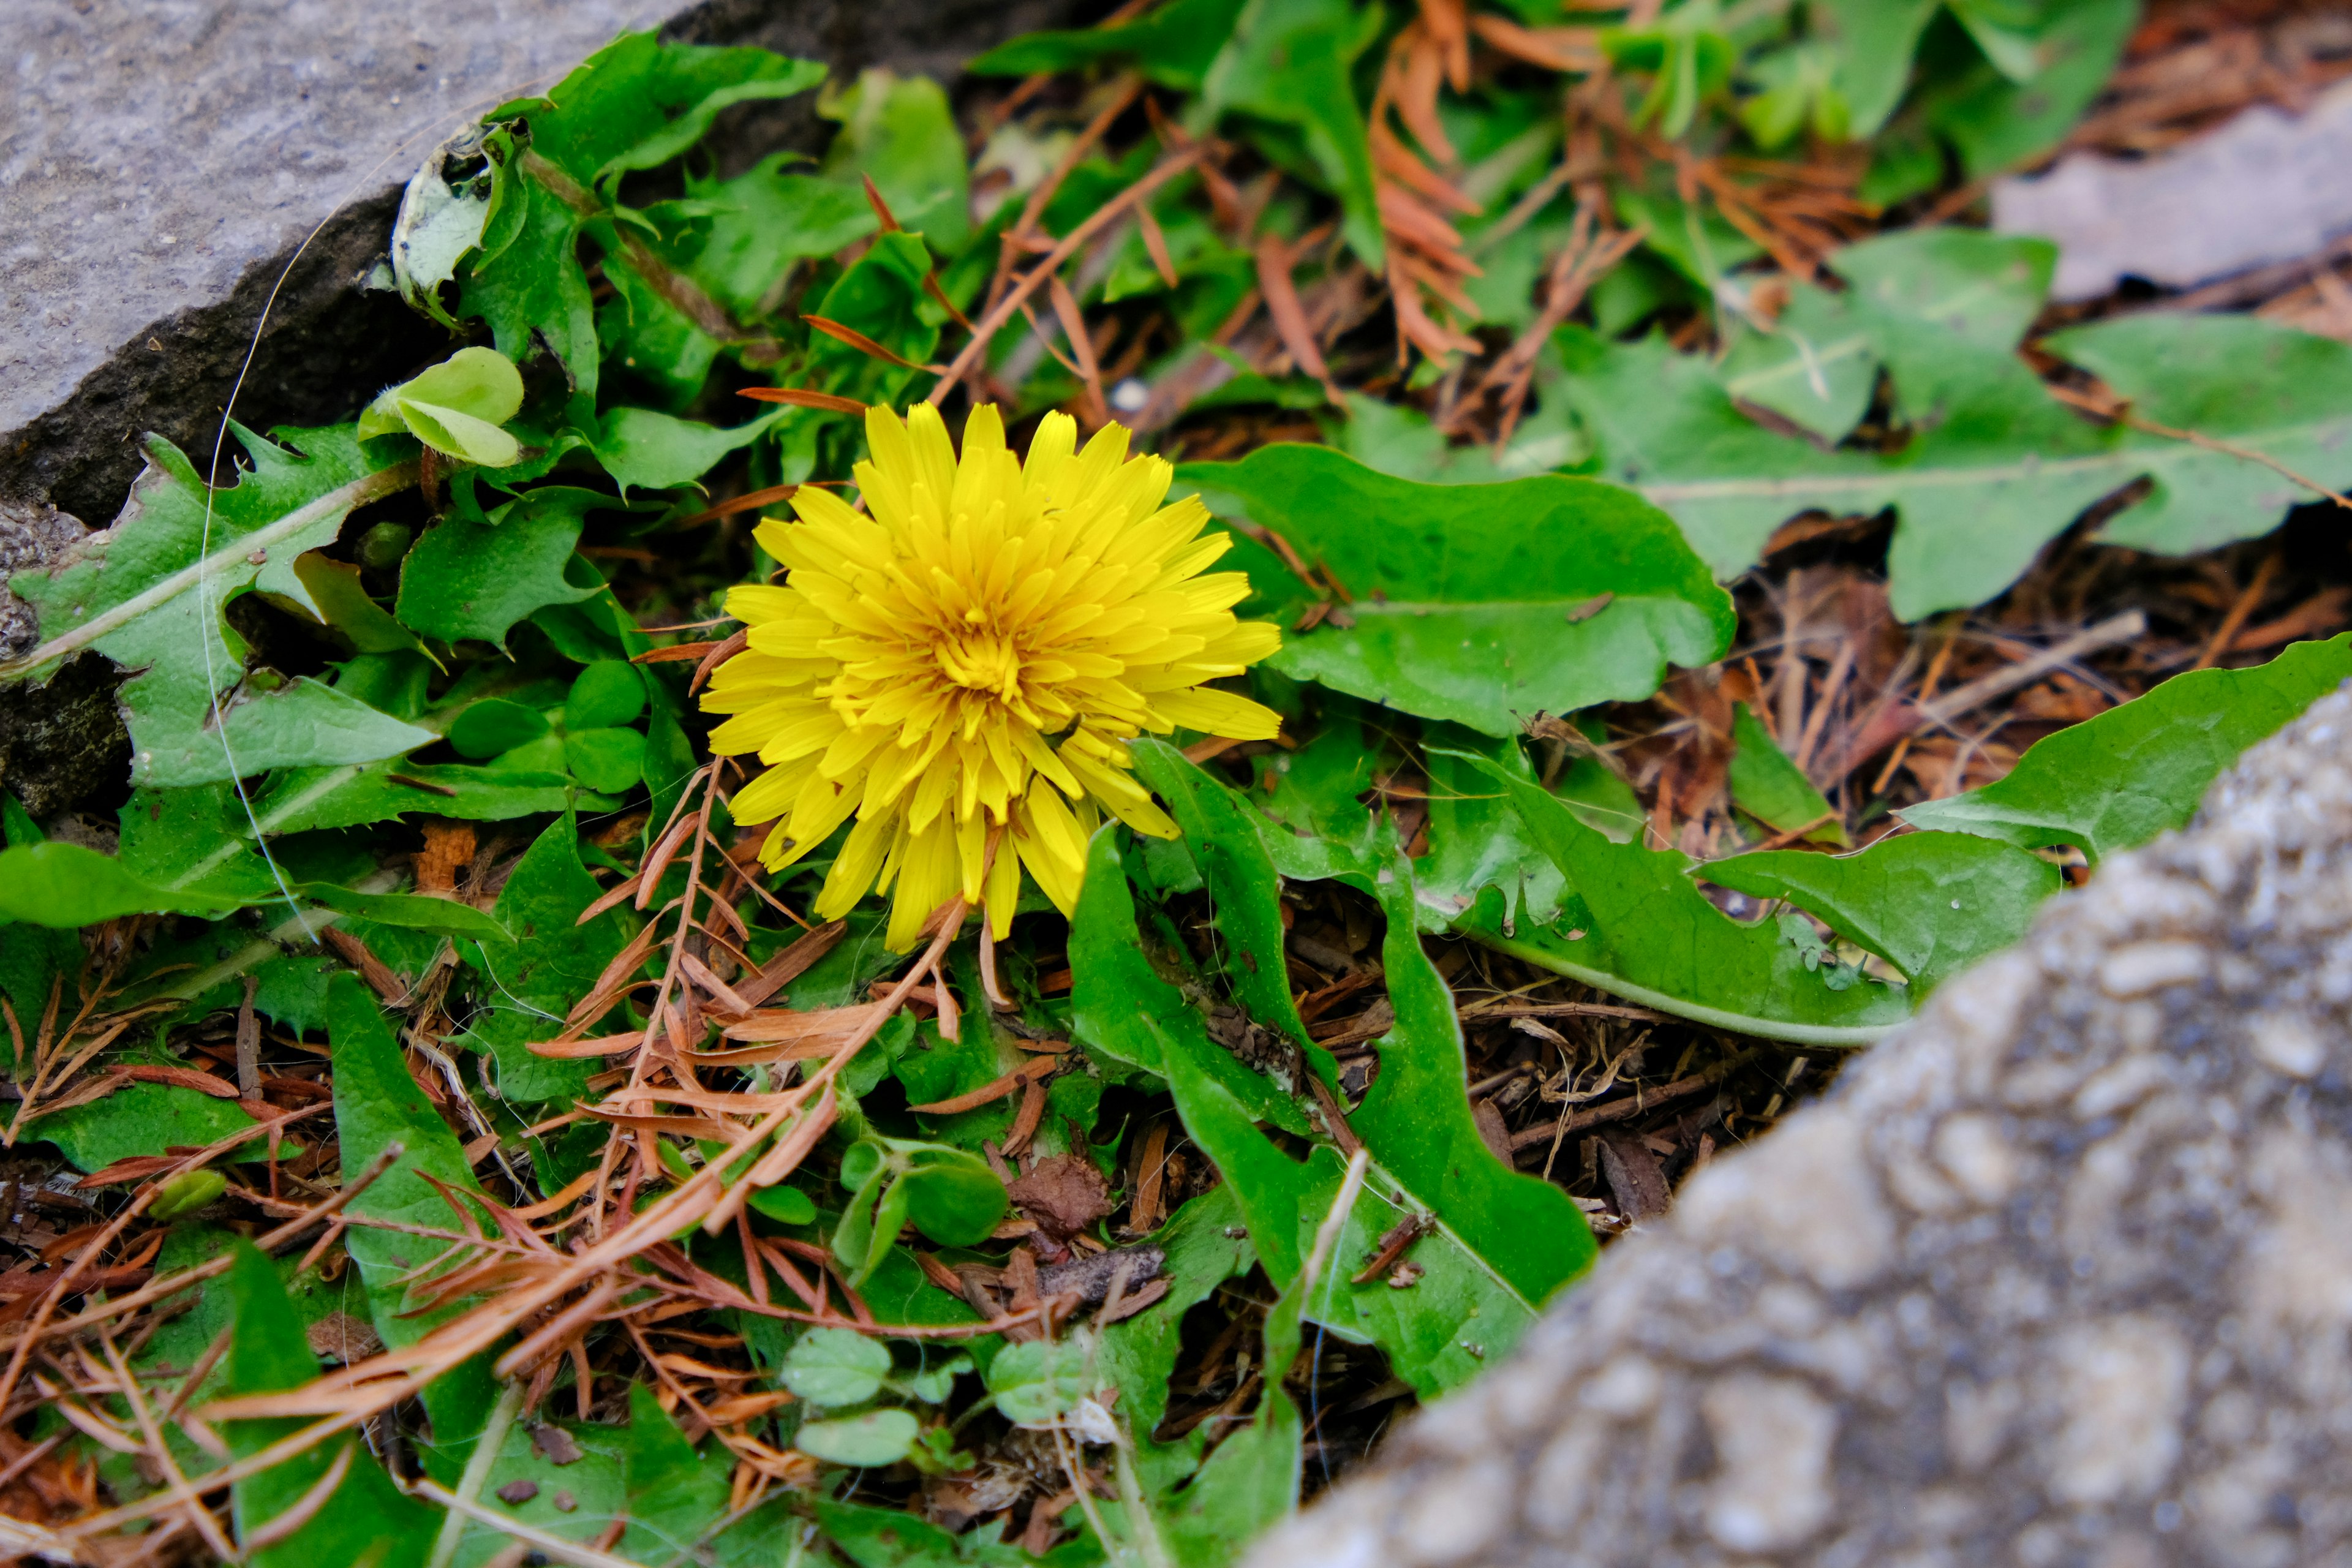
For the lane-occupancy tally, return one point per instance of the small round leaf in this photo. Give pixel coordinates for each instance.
(1039, 1380)
(834, 1367)
(786, 1205)
(608, 760)
(494, 726)
(876, 1438)
(608, 692)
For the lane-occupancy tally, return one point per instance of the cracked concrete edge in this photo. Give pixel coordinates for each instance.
(328, 346)
(2056, 1275)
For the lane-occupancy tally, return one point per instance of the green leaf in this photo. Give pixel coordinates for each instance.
(1290, 62)
(760, 223)
(488, 728)
(881, 295)
(454, 407)
(1769, 787)
(900, 132)
(876, 1438)
(1929, 903)
(1224, 844)
(68, 885)
(639, 102)
(606, 760)
(1437, 1334)
(645, 449)
(476, 580)
(145, 1118)
(1202, 1252)
(529, 286)
(549, 964)
(950, 1194)
(1875, 40)
(1481, 604)
(836, 1367)
(1978, 495)
(1799, 88)
(1171, 44)
(366, 1519)
(953, 1197)
(1038, 1381)
(2118, 781)
(185, 1193)
(1688, 60)
(2255, 383)
(1815, 368)
(300, 799)
(1998, 121)
(1416, 1117)
(133, 594)
(1646, 932)
(609, 691)
(335, 597)
(786, 1205)
(1119, 1007)
(1430, 1335)
(377, 1104)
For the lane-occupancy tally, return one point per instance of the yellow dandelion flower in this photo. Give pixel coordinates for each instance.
(962, 664)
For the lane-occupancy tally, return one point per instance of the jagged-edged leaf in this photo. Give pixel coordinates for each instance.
(1122, 1008)
(1481, 604)
(767, 219)
(1929, 903)
(1291, 64)
(2116, 780)
(639, 101)
(143, 1118)
(2019, 99)
(900, 132)
(645, 449)
(2255, 383)
(378, 1103)
(1223, 842)
(550, 965)
(1976, 495)
(1636, 925)
(528, 284)
(1437, 1333)
(882, 296)
(149, 593)
(68, 884)
(1929, 305)
(1994, 467)
(365, 1518)
(1416, 1118)
(477, 580)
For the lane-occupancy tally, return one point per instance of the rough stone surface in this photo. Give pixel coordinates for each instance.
(162, 161)
(2061, 1275)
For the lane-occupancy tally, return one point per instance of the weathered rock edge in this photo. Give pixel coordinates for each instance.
(2059, 1274)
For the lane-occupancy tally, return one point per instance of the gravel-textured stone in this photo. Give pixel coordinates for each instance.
(162, 161)
(2060, 1275)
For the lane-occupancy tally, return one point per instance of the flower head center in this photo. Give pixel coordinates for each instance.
(982, 661)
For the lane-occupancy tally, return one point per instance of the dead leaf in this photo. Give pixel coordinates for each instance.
(1064, 1193)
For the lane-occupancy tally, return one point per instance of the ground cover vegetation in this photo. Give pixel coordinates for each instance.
(700, 962)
